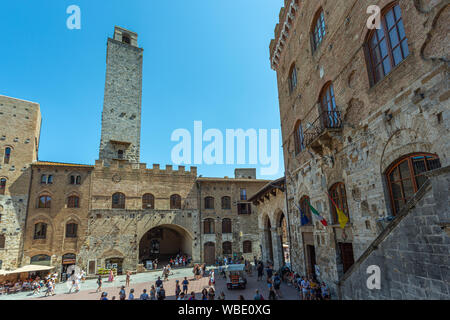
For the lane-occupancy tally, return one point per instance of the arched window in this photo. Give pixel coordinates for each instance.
(227, 247)
(72, 179)
(118, 201)
(317, 30)
(304, 205)
(226, 203)
(126, 39)
(339, 196)
(73, 202)
(2, 186)
(71, 230)
(292, 79)
(120, 154)
(299, 139)
(148, 201)
(208, 226)
(247, 246)
(40, 230)
(78, 180)
(2, 241)
(388, 46)
(45, 201)
(175, 201)
(226, 226)
(209, 203)
(44, 179)
(406, 176)
(330, 116)
(7, 156)
(50, 179)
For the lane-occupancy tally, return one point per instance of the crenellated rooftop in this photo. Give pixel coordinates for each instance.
(142, 168)
(288, 14)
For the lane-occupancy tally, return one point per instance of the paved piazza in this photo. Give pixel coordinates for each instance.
(146, 280)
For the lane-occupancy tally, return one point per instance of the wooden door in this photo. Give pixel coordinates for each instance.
(209, 253)
(346, 255)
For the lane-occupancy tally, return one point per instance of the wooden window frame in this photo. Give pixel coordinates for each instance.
(175, 202)
(209, 226)
(227, 245)
(292, 78)
(2, 242)
(247, 246)
(372, 62)
(121, 201)
(299, 138)
(148, 201)
(338, 193)
(7, 156)
(209, 203)
(73, 202)
(42, 236)
(46, 204)
(412, 176)
(3, 183)
(226, 203)
(72, 231)
(227, 225)
(318, 30)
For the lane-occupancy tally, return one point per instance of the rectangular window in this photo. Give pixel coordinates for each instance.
(243, 194)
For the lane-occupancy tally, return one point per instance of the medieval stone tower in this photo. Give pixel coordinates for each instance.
(121, 117)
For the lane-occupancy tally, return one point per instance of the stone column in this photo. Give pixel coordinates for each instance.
(263, 242)
(277, 249)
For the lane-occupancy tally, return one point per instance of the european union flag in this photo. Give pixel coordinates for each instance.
(303, 218)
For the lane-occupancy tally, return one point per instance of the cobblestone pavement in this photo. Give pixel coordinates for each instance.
(142, 281)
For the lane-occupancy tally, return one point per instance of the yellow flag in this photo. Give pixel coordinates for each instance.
(342, 218)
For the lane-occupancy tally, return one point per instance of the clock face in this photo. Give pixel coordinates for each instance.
(116, 178)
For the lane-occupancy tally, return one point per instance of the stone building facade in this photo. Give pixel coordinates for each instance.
(19, 142)
(357, 106)
(116, 212)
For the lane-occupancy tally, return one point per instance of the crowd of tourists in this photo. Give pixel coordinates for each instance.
(308, 288)
(34, 284)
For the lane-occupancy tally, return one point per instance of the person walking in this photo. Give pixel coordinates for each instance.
(277, 284)
(153, 293)
(99, 283)
(177, 289)
(128, 278)
(260, 270)
(185, 285)
(161, 294)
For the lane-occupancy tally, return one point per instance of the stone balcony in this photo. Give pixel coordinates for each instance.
(320, 133)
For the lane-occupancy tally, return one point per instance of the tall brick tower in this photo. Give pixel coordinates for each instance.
(121, 117)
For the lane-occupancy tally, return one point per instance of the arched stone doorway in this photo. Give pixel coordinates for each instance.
(284, 239)
(267, 247)
(164, 242)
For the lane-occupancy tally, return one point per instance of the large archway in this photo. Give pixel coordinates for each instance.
(164, 242)
(284, 239)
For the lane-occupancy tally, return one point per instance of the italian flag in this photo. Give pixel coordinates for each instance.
(322, 219)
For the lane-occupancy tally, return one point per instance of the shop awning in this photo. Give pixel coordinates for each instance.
(30, 268)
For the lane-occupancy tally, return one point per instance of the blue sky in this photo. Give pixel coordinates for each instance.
(204, 60)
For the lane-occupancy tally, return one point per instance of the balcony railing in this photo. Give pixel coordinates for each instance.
(327, 120)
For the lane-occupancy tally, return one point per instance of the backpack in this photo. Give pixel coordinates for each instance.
(277, 281)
